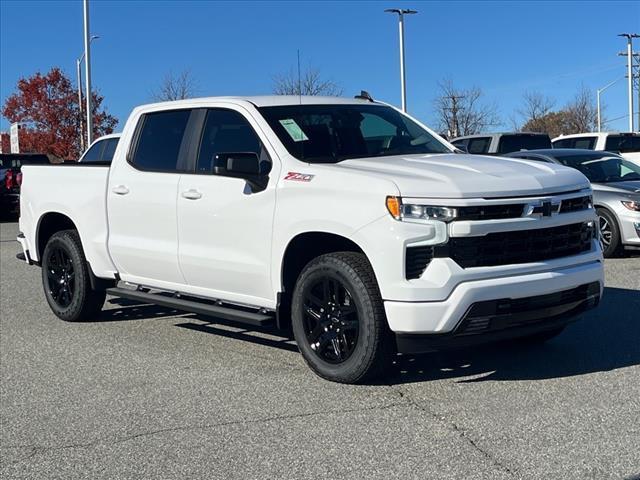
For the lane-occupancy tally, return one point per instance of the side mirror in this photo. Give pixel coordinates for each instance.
(244, 165)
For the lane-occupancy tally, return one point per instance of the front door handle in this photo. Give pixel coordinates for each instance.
(192, 194)
(120, 190)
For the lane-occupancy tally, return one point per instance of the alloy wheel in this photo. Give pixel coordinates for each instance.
(605, 232)
(331, 323)
(61, 279)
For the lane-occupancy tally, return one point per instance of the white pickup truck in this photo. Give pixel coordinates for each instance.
(343, 221)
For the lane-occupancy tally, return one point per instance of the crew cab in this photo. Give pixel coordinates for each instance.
(501, 143)
(345, 222)
(627, 144)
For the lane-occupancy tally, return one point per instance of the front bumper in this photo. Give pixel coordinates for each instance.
(502, 319)
(439, 317)
(629, 227)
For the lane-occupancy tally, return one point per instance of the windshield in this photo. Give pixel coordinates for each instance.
(331, 133)
(603, 169)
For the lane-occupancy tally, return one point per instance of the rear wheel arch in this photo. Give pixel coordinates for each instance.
(49, 224)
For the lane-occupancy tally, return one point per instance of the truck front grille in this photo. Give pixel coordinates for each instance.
(416, 261)
(523, 246)
(490, 212)
(575, 204)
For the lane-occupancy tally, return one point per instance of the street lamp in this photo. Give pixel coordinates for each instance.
(79, 74)
(403, 87)
(598, 92)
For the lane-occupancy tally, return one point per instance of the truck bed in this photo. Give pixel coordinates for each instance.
(77, 191)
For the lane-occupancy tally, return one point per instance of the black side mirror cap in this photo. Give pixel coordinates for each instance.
(245, 165)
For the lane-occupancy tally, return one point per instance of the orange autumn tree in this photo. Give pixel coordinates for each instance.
(47, 108)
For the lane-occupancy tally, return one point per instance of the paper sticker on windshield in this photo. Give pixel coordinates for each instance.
(294, 130)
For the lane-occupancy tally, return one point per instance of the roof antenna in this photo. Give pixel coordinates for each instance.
(299, 80)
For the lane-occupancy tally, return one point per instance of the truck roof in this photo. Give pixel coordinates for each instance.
(269, 100)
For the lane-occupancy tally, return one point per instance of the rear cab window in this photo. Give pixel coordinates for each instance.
(517, 142)
(94, 154)
(588, 143)
(479, 145)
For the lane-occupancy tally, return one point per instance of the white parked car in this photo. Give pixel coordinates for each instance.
(626, 144)
(344, 220)
(501, 143)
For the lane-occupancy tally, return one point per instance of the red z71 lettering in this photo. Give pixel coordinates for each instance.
(298, 177)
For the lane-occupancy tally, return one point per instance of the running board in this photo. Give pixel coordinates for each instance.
(227, 313)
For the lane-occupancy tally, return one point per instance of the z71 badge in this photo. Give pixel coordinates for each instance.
(299, 177)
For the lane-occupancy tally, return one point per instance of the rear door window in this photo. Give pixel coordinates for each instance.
(159, 145)
(479, 145)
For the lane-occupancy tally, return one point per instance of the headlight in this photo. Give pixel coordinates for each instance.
(632, 205)
(401, 211)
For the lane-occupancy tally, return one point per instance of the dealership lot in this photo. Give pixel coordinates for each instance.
(147, 392)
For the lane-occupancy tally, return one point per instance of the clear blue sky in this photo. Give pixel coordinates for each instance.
(235, 48)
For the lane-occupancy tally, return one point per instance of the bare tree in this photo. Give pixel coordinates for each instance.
(536, 106)
(582, 115)
(577, 116)
(309, 83)
(462, 111)
(176, 87)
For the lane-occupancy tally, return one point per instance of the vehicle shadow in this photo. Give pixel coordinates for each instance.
(128, 310)
(605, 339)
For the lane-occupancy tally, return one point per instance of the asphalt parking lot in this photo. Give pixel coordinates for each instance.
(146, 392)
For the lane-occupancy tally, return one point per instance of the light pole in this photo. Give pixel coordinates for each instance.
(79, 74)
(403, 86)
(598, 92)
(87, 69)
(630, 37)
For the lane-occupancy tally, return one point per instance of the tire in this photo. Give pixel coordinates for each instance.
(541, 337)
(338, 319)
(66, 280)
(609, 238)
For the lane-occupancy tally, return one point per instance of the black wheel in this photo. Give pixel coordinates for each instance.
(541, 337)
(338, 319)
(609, 233)
(65, 278)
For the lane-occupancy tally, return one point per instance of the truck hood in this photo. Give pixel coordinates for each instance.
(468, 176)
(630, 186)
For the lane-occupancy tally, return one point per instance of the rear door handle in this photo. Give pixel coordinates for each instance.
(120, 190)
(192, 194)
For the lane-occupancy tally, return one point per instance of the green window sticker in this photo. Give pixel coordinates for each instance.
(294, 130)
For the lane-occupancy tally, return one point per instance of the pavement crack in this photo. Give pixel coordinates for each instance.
(458, 430)
(38, 450)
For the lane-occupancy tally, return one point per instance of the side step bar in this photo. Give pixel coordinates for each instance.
(191, 306)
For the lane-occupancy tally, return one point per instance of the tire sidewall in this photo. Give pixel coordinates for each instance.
(320, 268)
(65, 241)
